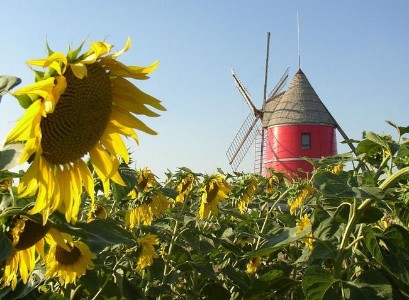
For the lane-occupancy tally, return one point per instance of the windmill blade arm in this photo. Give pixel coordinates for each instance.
(279, 85)
(244, 93)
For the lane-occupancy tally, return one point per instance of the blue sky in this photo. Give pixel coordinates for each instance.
(354, 53)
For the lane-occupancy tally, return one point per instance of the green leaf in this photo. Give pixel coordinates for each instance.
(370, 214)
(51, 296)
(373, 284)
(205, 269)
(323, 250)
(402, 211)
(319, 284)
(214, 290)
(279, 241)
(7, 83)
(401, 130)
(365, 192)
(333, 185)
(238, 278)
(372, 244)
(130, 178)
(6, 247)
(329, 230)
(102, 233)
(10, 155)
(375, 138)
(24, 100)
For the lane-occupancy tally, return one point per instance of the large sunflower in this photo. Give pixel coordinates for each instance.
(80, 105)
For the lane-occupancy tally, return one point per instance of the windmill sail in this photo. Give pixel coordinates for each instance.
(246, 95)
(243, 140)
(279, 85)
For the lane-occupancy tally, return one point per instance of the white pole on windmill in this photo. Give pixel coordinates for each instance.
(298, 41)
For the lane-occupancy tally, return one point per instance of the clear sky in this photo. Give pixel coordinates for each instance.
(354, 53)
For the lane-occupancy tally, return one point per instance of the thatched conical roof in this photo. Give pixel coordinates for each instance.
(299, 104)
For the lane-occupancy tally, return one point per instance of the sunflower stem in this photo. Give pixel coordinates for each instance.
(263, 228)
(172, 242)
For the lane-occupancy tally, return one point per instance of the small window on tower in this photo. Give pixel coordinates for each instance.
(305, 140)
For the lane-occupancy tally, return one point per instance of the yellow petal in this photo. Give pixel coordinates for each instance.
(124, 88)
(115, 145)
(119, 69)
(126, 119)
(122, 51)
(86, 178)
(42, 88)
(102, 162)
(24, 128)
(115, 127)
(97, 50)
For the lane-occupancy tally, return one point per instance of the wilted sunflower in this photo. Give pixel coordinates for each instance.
(248, 193)
(81, 105)
(147, 200)
(28, 239)
(147, 251)
(214, 190)
(184, 187)
(70, 262)
(302, 195)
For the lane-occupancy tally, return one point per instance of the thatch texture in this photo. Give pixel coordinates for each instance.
(299, 104)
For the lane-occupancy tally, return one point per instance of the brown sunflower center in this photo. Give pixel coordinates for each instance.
(80, 117)
(32, 233)
(67, 258)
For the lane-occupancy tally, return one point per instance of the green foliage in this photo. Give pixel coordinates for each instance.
(345, 237)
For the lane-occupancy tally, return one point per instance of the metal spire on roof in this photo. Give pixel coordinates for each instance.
(298, 41)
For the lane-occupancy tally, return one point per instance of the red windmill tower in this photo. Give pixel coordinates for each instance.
(290, 126)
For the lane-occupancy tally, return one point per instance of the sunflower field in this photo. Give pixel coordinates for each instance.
(79, 222)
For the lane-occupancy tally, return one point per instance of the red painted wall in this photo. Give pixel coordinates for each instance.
(284, 152)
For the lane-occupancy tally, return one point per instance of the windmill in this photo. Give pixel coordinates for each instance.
(290, 126)
(252, 128)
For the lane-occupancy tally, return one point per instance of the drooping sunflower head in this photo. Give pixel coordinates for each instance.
(215, 188)
(248, 192)
(300, 195)
(184, 186)
(147, 251)
(28, 240)
(79, 106)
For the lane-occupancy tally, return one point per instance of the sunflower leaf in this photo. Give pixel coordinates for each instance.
(10, 155)
(100, 234)
(6, 247)
(7, 83)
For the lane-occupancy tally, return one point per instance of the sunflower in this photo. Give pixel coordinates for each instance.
(79, 106)
(97, 211)
(253, 265)
(184, 187)
(247, 194)
(147, 200)
(28, 240)
(70, 262)
(302, 195)
(214, 190)
(147, 252)
(303, 223)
